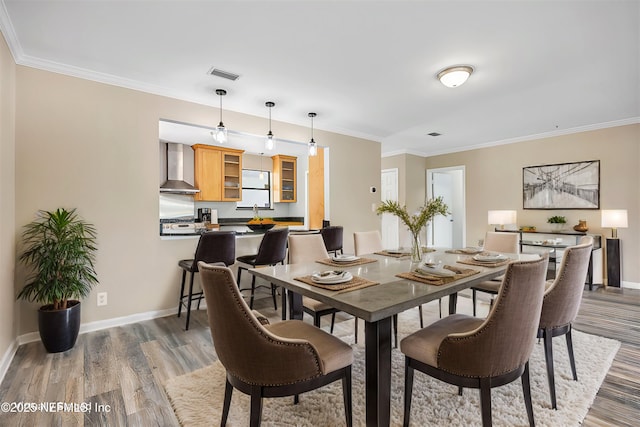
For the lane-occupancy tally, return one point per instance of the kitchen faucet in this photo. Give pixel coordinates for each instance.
(255, 211)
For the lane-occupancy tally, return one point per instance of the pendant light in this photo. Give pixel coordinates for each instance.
(313, 149)
(270, 141)
(221, 132)
(261, 176)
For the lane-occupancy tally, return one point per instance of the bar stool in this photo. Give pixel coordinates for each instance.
(272, 251)
(215, 246)
(332, 236)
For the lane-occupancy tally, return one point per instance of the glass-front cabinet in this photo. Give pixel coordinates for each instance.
(217, 173)
(284, 178)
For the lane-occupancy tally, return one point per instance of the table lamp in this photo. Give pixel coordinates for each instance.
(502, 217)
(614, 219)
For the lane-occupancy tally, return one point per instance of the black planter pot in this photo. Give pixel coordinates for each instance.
(59, 328)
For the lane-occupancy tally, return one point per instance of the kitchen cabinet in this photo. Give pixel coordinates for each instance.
(217, 173)
(284, 178)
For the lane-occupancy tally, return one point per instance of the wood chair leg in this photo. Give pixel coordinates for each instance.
(184, 276)
(256, 406)
(346, 394)
(526, 390)
(228, 391)
(572, 359)
(485, 401)
(316, 320)
(253, 291)
(284, 303)
(408, 391)
(548, 356)
(421, 319)
(474, 299)
(356, 329)
(189, 302)
(296, 399)
(239, 275)
(333, 321)
(273, 295)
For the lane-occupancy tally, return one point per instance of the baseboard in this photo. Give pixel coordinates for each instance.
(631, 285)
(105, 324)
(7, 358)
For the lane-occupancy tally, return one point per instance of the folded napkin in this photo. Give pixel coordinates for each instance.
(434, 271)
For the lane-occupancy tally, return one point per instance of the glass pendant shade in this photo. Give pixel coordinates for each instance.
(270, 141)
(313, 149)
(220, 134)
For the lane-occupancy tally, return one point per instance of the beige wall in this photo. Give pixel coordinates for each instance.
(494, 181)
(95, 147)
(7, 196)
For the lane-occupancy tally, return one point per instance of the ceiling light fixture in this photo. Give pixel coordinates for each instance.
(221, 132)
(261, 176)
(270, 142)
(313, 149)
(455, 76)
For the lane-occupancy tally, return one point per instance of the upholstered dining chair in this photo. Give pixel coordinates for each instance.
(496, 242)
(282, 359)
(333, 238)
(272, 251)
(310, 248)
(560, 306)
(483, 353)
(215, 246)
(367, 242)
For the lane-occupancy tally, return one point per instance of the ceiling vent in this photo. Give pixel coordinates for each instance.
(224, 74)
(434, 134)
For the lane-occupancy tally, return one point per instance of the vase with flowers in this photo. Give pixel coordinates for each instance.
(416, 222)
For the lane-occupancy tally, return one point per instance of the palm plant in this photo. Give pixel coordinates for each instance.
(60, 246)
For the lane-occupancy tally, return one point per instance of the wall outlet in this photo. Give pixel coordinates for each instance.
(102, 298)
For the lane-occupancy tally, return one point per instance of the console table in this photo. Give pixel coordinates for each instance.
(547, 240)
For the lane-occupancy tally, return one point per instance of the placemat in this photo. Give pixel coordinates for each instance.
(394, 255)
(332, 263)
(439, 280)
(472, 261)
(353, 284)
(466, 251)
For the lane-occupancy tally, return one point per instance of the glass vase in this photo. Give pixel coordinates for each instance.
(416, 248)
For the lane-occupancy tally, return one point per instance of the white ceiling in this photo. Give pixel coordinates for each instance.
(367, 68)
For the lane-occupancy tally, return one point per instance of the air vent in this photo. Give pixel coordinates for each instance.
(434, 134)
(224, 74)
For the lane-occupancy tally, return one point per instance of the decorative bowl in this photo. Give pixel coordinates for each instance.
(261, 227)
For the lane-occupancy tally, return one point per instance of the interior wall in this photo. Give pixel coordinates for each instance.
(7, 198)
(494, 181)
(94, 147)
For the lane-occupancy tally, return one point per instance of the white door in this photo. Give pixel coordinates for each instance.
(389, 191)
(447, 231)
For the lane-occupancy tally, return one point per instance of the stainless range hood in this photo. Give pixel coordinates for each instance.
(175, 172)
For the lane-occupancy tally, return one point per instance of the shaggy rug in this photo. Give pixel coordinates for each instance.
(197, 397)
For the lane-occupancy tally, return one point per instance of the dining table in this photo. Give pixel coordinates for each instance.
(383, 295)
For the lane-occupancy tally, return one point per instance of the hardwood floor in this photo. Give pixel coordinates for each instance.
(119, 372)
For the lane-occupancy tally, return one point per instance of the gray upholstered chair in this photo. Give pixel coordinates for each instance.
(496, 242)
(483, 353)
(560, 306)
(215, 246)
(282, 359)
(333, 237)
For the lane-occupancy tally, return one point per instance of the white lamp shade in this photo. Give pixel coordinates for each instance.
(614, 218)
(502, 217)
(455, 76)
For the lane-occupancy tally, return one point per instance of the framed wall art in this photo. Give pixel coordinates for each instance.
(562, 186)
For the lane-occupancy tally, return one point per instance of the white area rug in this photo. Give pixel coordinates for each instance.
(197, 397)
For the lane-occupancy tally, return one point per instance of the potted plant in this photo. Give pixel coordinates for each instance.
(60, 247)
(416, 222)
(557, 222)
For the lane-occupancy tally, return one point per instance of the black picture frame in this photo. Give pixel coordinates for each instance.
(562, 186)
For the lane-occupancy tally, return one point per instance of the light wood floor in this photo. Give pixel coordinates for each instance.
(120, 371)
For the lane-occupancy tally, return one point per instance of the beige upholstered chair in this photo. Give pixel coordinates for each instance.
(561, 303)
(367, 242)
(496, 242)
(483, 353)
(309, 248)
(283, 359)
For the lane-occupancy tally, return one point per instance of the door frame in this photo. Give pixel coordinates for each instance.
(460, 221)
(389, 217)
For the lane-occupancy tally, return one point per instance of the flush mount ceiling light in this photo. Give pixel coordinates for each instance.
(455, 76)
(220, 134)
(270, 142)
(313, 149)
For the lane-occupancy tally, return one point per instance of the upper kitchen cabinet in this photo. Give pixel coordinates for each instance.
(217, 173)
(284, 178)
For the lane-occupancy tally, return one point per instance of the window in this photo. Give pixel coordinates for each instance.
(255, 191)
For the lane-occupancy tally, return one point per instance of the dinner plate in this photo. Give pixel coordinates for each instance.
(490, 258)
(331, 277)
(344, 258)
(441, 272)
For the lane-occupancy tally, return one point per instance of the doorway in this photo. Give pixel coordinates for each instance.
(389, 191)
(447, 231)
